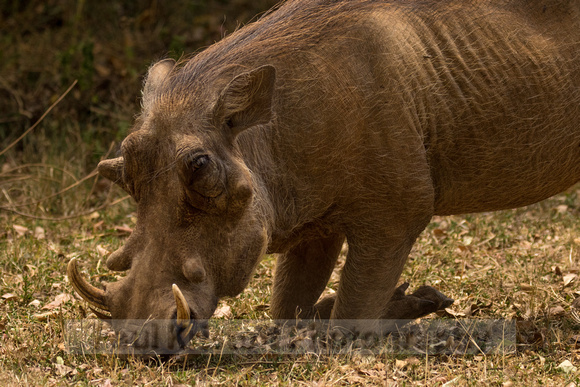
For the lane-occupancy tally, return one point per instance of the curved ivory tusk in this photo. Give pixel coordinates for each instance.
(100, 315)
(183, 315)
(88, 292)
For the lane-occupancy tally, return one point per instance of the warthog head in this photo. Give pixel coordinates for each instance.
(200, 230)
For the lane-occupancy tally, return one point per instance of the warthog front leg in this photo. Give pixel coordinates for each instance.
(303, 272)
(368, 295)
(301, 275)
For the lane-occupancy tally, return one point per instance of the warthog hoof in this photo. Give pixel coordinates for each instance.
(404, 308)
(421, 302)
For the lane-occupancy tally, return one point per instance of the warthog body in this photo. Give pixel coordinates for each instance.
(332, 120)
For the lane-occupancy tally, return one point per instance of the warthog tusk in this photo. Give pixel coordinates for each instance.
(100, 315)
(88, 292)
(183, 315)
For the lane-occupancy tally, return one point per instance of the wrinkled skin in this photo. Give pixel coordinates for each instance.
(332, 121)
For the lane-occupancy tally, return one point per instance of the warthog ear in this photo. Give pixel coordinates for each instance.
(247, 100)
(155, 78)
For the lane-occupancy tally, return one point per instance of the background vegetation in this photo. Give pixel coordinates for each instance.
(520, 264)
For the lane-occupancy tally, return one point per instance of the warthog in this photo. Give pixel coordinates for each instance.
(330, 120)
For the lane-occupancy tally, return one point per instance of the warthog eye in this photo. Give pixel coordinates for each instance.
(198, 162)
(203, 175)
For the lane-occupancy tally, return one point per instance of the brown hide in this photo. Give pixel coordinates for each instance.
(333, 120)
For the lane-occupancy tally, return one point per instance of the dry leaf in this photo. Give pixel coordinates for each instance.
(58, 301)
(44, 316)
(400, 364)
(15, 279)
(124, 229)
(102, 251)
(39, 233)
(10, 297)
(94, 215)
(411, 361)
(224, 311)
(20, 230)
(35, 303)
(562, 209)
(451, 313)
(54, 248)
(439, 233)
(556, 311)
(558, 271)
(567, 367)
(31, 269)
(474, 308)
(470, 310)
(569, 278)
(576, 303)
(106, 383)
(452, 382)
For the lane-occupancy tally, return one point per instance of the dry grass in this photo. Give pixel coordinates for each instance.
(514, 265)
(519, 265)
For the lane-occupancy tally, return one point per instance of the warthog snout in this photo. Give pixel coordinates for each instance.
(150, 334)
